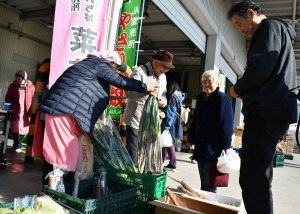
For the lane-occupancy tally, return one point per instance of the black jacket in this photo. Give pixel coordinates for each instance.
(82, 91)
(212, 126)
(270, 72)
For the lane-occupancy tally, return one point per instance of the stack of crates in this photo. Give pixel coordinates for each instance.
(278, 160)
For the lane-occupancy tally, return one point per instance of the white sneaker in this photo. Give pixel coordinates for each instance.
(18, 150)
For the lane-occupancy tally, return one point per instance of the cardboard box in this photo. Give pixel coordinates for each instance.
(222, 200)
(192, 206)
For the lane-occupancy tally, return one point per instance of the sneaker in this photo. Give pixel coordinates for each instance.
(169, 167)
(18, 150)
(192, 160)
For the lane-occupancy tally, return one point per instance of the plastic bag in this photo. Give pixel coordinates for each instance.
(25, 204)
(184, 114)
(56, 179)
(166, 139)
(229, 161)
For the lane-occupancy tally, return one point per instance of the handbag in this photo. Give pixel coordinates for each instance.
(218, 179)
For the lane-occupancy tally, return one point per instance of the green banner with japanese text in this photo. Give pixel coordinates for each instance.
(126, 47)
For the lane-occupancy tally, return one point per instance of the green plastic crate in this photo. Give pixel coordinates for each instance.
(121, 200)
(278, 160)
(149, 186)
(8, 205)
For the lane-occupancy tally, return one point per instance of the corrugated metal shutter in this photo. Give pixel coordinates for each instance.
(177, 13)
(18, 52)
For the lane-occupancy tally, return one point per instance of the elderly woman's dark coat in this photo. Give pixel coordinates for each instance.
(82, 91)
(212, 127)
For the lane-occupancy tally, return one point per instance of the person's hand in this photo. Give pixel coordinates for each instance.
(233, 93)
(162, 115)
(152, 88)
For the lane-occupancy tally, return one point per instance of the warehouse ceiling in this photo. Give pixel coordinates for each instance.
(159, 32)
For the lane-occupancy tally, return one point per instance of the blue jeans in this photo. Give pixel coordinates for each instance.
(178, 144)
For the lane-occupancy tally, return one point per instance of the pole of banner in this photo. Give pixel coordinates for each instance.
(140, 33)
(108, 20)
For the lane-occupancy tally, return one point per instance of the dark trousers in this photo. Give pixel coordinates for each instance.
(171, 153)
(205, 174)
(17, 141)
(258, 148)
(132, 142)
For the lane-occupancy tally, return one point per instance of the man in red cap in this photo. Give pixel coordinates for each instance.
(153, 71)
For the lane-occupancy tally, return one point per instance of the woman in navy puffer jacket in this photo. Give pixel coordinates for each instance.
(212, 127)
(75, 102)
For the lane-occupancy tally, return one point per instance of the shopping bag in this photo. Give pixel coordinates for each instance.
(229, 161)
(166, 139)
(218, 179)
(85, 161)
(184, 114)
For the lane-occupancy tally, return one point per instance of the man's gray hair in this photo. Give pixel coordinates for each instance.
(211, 73)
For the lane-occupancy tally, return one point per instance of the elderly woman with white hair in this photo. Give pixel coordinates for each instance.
(212, 127)
(75, 102)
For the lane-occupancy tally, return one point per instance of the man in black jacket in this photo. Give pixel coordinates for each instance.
(267, 107)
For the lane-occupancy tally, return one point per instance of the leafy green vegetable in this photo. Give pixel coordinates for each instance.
(149, 149)
(24, 210)
(6, 211)
(109, 148)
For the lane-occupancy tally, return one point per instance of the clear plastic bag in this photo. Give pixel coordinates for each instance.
(25, 204)
(229, 161)
(56, 179)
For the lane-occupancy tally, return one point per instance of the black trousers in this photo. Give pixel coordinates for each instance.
(259, 140)
(132, 142)
(17, 141)
(205, 174)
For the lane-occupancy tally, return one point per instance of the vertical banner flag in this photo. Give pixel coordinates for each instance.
(126, 47)
(79, 29)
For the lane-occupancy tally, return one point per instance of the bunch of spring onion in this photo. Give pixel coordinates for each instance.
(149, 149)
(109, 149)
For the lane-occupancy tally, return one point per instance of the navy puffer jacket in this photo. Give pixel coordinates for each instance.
(82, 91)
(212, 126)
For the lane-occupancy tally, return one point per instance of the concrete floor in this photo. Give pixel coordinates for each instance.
(286, 183)
(20, 179)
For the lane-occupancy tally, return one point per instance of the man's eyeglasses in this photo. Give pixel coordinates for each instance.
(165, 68)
